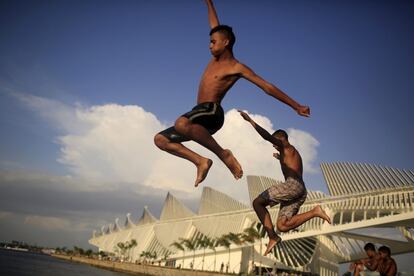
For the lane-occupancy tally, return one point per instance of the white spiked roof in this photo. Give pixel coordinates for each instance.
(345, 178)
(257, 184)
(128, 222)
(116, 226)
(109, 229)
(213, 201)
(146, 217)
(174, 209)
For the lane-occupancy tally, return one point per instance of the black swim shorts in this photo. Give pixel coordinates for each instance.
(210, 115)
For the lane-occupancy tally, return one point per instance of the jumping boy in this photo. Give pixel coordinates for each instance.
(290, 195)
(207, 117)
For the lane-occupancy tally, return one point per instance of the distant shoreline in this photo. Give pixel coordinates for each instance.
(22, 250)
(16, 249)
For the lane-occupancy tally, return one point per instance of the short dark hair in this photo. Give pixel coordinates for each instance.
(227, 31)
(369, 246)
(385, 249)
(281, 132)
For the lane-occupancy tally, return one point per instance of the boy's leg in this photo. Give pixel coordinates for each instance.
(259, 206)
(285, 224)
(203, 164)
(201, 135)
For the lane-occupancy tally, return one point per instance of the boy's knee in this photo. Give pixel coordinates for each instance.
(281, 225)
(258, 202)
(160, 141)
(181, 125)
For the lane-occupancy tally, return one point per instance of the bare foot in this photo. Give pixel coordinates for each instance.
(202, 170)
(272, 243)
(321, 213)
(232, 163)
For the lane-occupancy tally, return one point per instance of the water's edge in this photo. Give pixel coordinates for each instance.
(137, 269)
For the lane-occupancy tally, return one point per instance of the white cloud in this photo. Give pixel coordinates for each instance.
(115, 143)
(118, 145)
(306, 144)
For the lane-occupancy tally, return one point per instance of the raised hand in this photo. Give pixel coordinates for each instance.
(303, 111)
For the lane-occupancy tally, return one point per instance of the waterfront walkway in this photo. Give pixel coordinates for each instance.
(137, 269)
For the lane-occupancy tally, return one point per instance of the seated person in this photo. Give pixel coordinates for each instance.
(367, 264)
(387, 266)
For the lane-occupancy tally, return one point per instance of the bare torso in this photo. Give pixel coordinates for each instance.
(387, 267)
(291, 162)
(217, 79)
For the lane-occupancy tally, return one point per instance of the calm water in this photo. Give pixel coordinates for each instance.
(13, 263)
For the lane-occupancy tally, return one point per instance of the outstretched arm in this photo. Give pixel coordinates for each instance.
(270, 89)
(262, 132)
(212, 15)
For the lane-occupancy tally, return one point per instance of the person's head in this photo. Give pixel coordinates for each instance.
(281, 135)
(221, 38)
(370, 249)
(384, 252)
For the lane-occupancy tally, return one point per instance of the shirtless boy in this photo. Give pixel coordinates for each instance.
(290, 195)
(207, 117)
(387, 265)
(370, 263)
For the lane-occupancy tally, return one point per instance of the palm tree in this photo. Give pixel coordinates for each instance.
(236, 239)
(203, 243)
(262, 233)
(122, 247)
(129, 245)
(154, 255)
(212, 246)
(166, 255)
(191, 245)
(179, 246)
(76, 250)
(89, 252)
(145, 254)
(250, 235)
(224, 241)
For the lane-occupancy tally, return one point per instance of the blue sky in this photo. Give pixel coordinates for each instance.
(350, 61)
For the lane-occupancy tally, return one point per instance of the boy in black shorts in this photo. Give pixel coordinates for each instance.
(207, 117)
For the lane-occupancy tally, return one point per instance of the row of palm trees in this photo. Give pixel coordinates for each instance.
(248, 236)
(75, 251)
(148, 255)
(124, 248)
